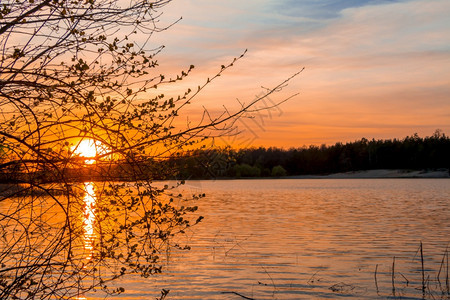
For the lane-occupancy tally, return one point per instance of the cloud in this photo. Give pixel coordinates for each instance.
(325, 9)
(387, 62)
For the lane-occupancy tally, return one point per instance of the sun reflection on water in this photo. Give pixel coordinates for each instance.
(89, 218)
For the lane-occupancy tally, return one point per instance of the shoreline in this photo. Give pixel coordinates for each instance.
(441, 173)
(362, 174)
(380, 173)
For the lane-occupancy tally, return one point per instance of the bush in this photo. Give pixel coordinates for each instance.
(278, 171)
(245, 170)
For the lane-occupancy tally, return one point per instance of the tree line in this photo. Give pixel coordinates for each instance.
(412, 152)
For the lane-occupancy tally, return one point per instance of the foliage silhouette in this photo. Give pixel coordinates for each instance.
(412, 152)
(79, 70)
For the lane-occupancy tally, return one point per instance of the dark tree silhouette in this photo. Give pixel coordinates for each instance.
(414, 153)
(74, 73)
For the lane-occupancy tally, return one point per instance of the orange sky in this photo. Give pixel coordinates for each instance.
(374, 69)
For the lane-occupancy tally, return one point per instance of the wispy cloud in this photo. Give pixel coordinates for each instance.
(324, 9)
(381, 60)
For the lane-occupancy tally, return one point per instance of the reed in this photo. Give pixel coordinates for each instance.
(423, 269)
(444, 268)
(393, 276)
(240, 295)
(431, 289)
(376, 281)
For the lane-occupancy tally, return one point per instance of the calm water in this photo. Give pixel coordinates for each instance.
(308, 239)
(301, 239)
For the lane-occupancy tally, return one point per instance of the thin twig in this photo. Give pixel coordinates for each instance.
(441, 267)
(271, 279)
(375, 275)
(407, 281)
(446, 278)
(240, 295)
(393, 276)
(423, 269)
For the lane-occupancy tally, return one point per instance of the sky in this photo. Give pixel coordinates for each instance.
(373, 69)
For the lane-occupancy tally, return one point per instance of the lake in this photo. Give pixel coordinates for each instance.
(308, 239)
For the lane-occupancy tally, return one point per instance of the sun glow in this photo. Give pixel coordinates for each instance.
(89, 149)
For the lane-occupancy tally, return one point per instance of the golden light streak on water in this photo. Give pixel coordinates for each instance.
(89, 218)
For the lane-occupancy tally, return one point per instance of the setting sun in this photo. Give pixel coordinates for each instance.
(89, 148)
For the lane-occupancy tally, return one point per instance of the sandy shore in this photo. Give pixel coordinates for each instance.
(384, 173)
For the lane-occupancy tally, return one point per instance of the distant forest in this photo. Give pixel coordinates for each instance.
(411, 152)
